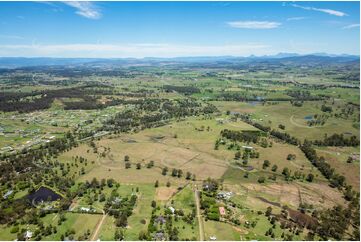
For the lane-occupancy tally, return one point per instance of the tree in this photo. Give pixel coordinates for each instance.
(188, 175)
(110, 182)
(154, 204)
(237, 155)
(119, 235)
(179, 173)
(126, 158)
(168, 184)
(261, 179)
(174, 172)
(268, 211)
(274, 168)
(266, 164)
(156, 183)
(139, 166)
(291, 157)
(143, 235)
(310, 177)
(127, 165)
(164, 171)
(122, 220)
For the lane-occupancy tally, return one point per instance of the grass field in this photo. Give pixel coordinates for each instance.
(292, 117)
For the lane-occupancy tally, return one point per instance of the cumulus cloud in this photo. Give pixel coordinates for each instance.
(254, 24)
(324, 10)
(351, 26)
(86, 9)
(132, 50)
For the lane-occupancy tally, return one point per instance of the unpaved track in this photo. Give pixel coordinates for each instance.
(300, 125)
(97, 229)
(199, 216)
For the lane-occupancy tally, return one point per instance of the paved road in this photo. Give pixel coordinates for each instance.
(199, 216)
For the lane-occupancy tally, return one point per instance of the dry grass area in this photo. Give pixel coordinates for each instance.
(164, 193)
(181, 146)
(337, 157)
(293, 194)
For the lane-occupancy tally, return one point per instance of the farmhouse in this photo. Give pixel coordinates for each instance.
(87, 210)
(172, 209)
(224, 195)
(28, 234)
(213, 238)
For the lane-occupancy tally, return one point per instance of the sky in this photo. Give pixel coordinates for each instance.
(171, 29)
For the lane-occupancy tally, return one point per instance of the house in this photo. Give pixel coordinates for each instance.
(213, 237)
(159, 236)
(160, 219)
(222, 211)
(172, 209)
(87, 210)
(28, 234)
(224, 195)
(8, 193)
(247, 147)
(117, 200)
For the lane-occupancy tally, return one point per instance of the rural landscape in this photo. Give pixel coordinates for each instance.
(226, 148)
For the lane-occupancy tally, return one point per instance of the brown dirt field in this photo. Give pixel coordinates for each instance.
(321, 194)
(164, 193)
(318, 194)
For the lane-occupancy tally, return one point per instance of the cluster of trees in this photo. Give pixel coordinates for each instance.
(181, 89)
(302, 95)
(160, 226)
(338, 140)
(335, 179)
(242, 136)
(317, 120)
(39, 100)
(280, 135)
(164, 110)
(325, 108)
(209, 204)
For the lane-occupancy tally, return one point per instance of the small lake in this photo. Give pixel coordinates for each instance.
(309, 117)
(43, 194)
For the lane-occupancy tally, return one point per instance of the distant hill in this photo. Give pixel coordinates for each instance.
(285, 58)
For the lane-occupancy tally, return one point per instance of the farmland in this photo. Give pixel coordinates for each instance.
(180, 151)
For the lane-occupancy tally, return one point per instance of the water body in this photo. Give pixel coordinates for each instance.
(43, 194)
(309, 117)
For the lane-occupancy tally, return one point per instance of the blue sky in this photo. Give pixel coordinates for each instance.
(168, 29)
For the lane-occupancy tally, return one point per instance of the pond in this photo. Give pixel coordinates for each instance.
(309, 117)
(43, 194)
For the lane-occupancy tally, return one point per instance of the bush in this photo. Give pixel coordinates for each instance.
(14, 229)
(261, 179)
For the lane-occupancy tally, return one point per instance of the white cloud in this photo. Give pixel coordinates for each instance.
(295, 18)
(132, 50)
(254, 24)
(328, 11)
(351, 26)
(86, 9)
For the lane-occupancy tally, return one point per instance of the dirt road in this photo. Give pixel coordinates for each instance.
(199, 216)
(98, 227)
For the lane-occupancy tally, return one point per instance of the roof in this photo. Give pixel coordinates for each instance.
(222, 211)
